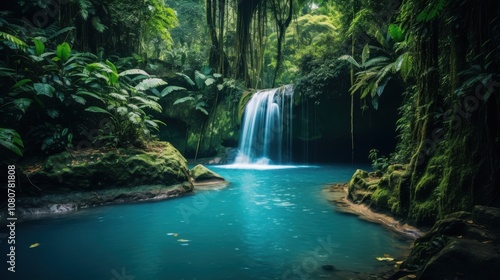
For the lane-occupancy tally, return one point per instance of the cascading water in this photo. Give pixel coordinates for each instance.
(266, 135)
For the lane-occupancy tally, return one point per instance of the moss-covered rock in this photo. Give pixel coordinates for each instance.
(200, 173)
(158, 164)
(463, 245)
(387, 191)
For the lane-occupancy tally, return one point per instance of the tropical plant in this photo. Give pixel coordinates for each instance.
(374, 73)
(10, 139)
(123, 98)
(203, 82)
(379, 163)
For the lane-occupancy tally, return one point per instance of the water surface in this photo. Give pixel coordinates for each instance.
(267, 224)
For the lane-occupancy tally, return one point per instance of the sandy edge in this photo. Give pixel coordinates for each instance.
(337, 193)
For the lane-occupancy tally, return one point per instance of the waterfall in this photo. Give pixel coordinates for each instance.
(266, 134)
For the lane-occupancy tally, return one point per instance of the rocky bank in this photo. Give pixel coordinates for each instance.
(79, 179)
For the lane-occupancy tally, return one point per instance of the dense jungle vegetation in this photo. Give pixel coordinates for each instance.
(77, 74)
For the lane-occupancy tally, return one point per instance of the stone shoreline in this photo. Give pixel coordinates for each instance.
(337, 193)
(31, 207)
(35, 207)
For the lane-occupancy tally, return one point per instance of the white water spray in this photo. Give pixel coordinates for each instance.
(266, 136)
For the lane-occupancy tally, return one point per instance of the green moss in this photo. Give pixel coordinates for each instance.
(431, 178)
(425, 212)
(200, 172)
(381, 197)
(159, 164)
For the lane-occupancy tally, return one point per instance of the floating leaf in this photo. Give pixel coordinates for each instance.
(388, 259)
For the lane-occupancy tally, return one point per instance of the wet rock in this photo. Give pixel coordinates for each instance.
(201, 174)
(62, 208)
(462, 259)
(486, 216)
(459, 247)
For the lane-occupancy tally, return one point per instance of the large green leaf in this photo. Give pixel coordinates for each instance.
(39, 46)
(350, 59)
(186, 77)
(365, 54)
(88, 93)
(184, 99)
(150, 83)
(44, 89)
(20, 44)
(79, 99)
(22, 104)
(381, 39)
(169, 89)
(407, 65)
(63, 52)
(209, 81)
(95, 109)
(64, 30)
(21, 83)
(134, 72)
(396, 32)
(199, 78)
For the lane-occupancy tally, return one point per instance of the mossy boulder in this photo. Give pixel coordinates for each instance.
(384, 191)
(463, 245)
(158, 164)
(201, 174)
(362, 185)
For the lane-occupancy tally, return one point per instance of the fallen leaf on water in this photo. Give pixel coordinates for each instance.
(384, 259)
(34, 245)
(399, 262)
